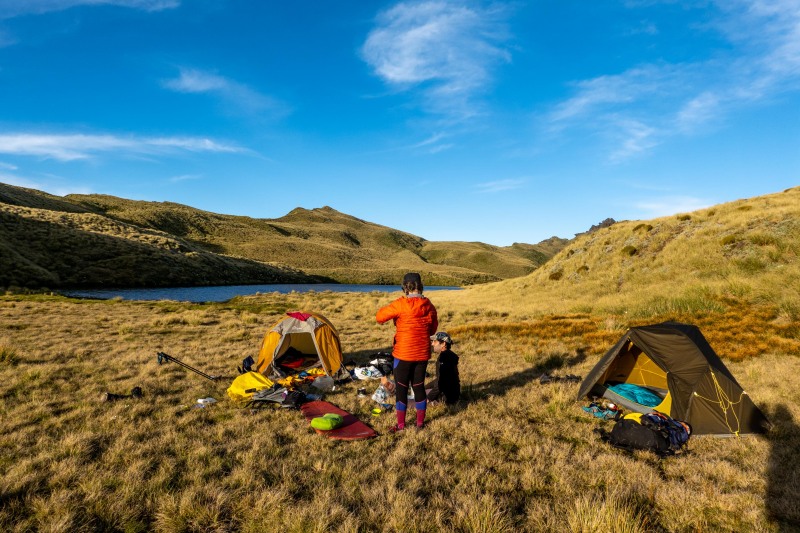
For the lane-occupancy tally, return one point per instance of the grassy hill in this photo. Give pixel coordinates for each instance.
(736, 262)
(323, 243)
(43, 248)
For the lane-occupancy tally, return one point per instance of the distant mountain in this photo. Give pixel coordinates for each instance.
(99, 240)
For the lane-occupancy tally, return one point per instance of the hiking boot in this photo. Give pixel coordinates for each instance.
(396, 429)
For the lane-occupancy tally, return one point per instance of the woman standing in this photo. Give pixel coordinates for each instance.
(415, 320)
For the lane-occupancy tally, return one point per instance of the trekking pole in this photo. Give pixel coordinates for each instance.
(162, 357)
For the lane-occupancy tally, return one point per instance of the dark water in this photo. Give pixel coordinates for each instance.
(223, 293)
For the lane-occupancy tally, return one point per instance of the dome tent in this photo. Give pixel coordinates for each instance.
(676, 362)
(310, 335)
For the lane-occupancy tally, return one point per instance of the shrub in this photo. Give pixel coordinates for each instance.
(684, 218)
(643, 227)
(8, 355)
(629, 250)
(556, 275)
(728, 240)
(751, 265)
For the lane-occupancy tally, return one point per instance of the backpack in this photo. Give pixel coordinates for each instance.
(294, 399)
(675, 432)
(628, 434)
(655, 432)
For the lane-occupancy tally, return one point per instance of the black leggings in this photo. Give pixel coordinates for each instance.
(409, 373)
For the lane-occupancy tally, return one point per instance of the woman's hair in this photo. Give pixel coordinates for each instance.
(412, 282)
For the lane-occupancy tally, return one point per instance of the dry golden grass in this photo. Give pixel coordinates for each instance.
(41, 231)
(514, 456)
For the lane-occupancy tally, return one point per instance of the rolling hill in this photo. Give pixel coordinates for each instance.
(99, 240)
(741, 251)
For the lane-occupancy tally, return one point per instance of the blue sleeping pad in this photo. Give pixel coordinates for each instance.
(636, 393)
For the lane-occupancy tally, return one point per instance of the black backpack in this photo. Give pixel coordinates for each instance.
(657, 433)
(630, 435)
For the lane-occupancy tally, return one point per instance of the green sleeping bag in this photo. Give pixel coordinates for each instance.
(327, 422)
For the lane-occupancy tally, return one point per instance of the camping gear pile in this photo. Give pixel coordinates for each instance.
(302, 350)
(302, 353)
(674, 385)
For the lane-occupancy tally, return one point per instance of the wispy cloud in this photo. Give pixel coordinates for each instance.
(52, 184)
(433, 144)
(15, 8)
(643, 106)
(185, 177)
(447, 50)
(69, 147)
(671, 205)
(235, 95)
(499, 185)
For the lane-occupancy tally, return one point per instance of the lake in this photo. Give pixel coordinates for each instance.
(226, 292)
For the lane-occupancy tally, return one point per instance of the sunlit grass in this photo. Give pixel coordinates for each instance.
(515, 455)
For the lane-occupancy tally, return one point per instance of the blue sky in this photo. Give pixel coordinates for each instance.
(498, 122)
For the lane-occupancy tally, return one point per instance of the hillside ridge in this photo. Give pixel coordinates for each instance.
(305, 245)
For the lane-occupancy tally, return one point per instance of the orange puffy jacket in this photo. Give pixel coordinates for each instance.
(416, 320)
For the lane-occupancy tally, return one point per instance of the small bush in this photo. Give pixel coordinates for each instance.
(745, 208)
(582, 269)
(684, 218)
(728, 240)
(8, 355)
(629, 250)
(751, 265)
(556, 275)
(642, 227)
(763, 239)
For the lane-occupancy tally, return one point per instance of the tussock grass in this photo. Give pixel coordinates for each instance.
(515, 455)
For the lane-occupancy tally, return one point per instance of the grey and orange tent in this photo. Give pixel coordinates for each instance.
(310, 336)
(676, 362)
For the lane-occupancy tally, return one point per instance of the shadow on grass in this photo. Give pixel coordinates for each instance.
(783, 492)
(501, 386)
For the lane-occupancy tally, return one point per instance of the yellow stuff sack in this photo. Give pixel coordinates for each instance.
(636, 417)
(247, 384)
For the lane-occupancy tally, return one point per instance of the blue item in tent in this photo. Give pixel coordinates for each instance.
(638, 394)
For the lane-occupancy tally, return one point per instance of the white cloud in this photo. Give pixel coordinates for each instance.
(448, 49)
(53, 184)
(68, 147)
(499, 185)
(234, 94)
(185, 177)
(667, 206)
(15, 8)
(641, 107)
(635, 138)
(7, 166)
(19, 181)
(432, 144)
